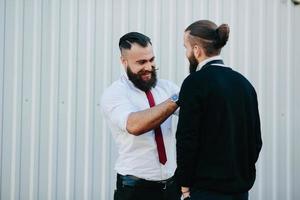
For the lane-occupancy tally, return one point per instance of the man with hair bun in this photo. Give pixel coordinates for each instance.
(218, 133)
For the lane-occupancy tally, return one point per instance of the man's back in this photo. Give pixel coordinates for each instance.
(223, 106)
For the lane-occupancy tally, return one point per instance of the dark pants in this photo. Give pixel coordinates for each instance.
(140, 189)
(209, 195)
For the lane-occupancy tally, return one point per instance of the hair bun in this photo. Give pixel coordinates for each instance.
(222, 34)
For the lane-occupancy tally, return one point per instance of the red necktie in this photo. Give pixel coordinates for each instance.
(158, 134)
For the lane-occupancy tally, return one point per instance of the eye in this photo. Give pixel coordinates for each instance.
(141, 62)
(152, 59)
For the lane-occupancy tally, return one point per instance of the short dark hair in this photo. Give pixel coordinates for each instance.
(128, 39)
(211, 37)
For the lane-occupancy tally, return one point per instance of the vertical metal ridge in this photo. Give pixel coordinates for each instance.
(274, 127)
(108, 74)
(140, 26)
(14, 147)
(53, 99)
(156, 33)
(69, 102)
(164, 41)
(51, 110)
(246, 35)
(274, 118)
(89, 99)
(40, 99)
(260, 99)
(20, 175)
(288, 102)
(2, 96)
(232, 31)
(34, 84)
(187, 20)
(60, 98)
(124, 15)
(58, 111)
(144, 22)
(76, 101)
(94, 102)
(171, 39)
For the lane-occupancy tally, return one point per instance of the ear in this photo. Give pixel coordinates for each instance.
(124, 61)
(198, 51)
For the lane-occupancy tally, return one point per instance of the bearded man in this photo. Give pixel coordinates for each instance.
(138, 109)
(218, 133)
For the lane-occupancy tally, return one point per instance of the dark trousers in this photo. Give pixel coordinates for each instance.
(140, 189)
(209, 195)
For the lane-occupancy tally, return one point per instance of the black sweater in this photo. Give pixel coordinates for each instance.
(218, 134)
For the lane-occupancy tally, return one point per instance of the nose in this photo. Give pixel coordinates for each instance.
(148, 66)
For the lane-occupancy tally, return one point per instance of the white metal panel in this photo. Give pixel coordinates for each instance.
(58, 56)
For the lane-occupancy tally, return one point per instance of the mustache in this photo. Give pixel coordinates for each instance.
(148, 71)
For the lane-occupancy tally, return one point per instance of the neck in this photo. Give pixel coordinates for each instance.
(202, 58)
(206, 60)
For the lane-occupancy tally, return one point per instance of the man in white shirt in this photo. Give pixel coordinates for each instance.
(138, 109)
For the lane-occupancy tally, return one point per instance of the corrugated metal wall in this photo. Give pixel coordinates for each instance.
(57, 57)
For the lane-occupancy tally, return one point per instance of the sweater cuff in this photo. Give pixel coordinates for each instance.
(184, 180)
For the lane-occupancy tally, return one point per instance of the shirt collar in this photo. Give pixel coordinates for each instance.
(204, 62)
(124, 77)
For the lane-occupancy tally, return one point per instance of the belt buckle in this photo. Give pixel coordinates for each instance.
(165, 184)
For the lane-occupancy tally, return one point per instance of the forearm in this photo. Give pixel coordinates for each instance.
(146, 120)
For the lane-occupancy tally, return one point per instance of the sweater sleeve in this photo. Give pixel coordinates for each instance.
(257, 128)
(187, 133)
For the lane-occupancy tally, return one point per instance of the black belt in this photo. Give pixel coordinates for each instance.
(133, 181)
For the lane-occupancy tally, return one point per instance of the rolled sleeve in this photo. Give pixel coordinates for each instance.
(116, 108)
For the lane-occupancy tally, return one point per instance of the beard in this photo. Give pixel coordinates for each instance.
(138, 82)
(193, 63)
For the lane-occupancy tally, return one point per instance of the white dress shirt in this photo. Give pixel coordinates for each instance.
(204, 62)
(138, 155)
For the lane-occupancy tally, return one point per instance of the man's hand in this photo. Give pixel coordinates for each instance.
(185, 192)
